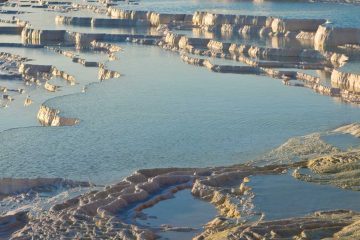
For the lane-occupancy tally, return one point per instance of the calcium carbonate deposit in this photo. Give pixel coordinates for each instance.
(160, 119)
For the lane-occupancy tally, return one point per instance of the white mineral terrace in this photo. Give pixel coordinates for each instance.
(160, 119)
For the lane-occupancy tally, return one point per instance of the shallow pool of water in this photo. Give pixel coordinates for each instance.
(282, 196)
(184, 210)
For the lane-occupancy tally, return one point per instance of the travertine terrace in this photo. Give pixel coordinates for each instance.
(41, 61)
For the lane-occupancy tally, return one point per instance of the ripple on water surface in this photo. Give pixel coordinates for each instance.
(161, 113)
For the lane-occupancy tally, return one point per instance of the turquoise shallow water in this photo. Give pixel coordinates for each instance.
(161, 113)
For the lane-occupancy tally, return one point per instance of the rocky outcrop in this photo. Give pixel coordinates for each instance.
(254, 25)
(107, 47)
(332, 37)
(282, 56)
(350, 97)
(35, 71)
(152, 18)
(295, 25)
(50, 117)
(80, 21)
(27, 102)
(262, 60)
(309, 36)
(50, 87)
(127, 14)
(105, 74)
(347, 81)
(36, 36)
(212, 21)
(100, 22)
(157, 19)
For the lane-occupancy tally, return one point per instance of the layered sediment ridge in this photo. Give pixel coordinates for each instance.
(101, 22)
(152, 18)
(81, 40)
(254, 24)
(314, 30)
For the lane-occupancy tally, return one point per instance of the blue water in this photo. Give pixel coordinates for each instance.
(161, 113)
(184, 210)
(342, 141)
(282, 196)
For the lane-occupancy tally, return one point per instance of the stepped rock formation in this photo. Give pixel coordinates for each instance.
(332, 37)
(347, 81)
(295, 25)
(34, 36)
(93, 214)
